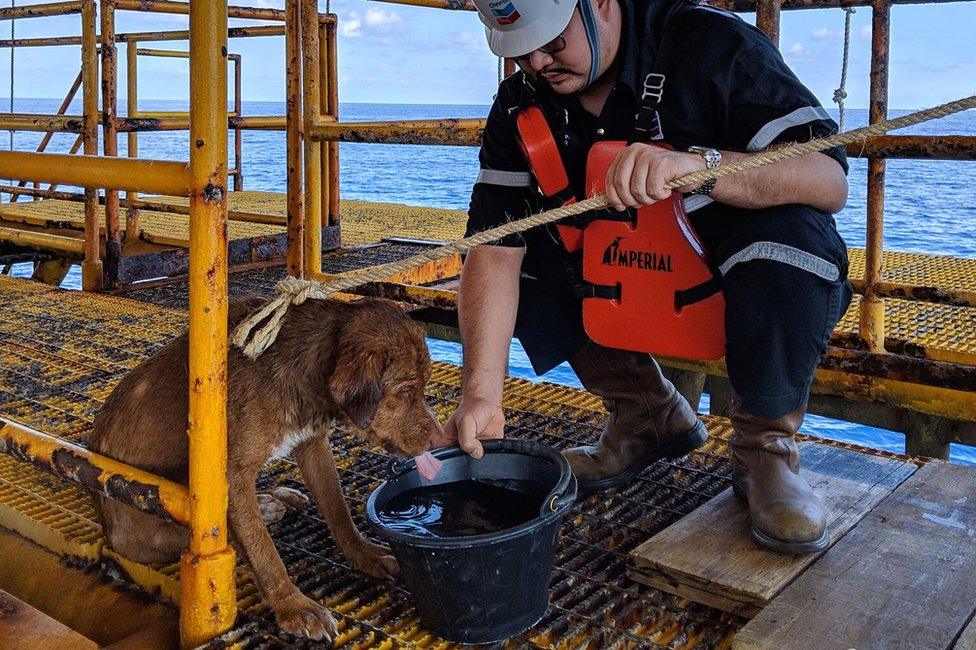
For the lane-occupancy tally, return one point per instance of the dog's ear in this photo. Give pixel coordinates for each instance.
(357, 384)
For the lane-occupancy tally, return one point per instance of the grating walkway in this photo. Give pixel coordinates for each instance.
(62, 352)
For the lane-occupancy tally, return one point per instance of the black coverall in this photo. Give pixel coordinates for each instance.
(783, 269)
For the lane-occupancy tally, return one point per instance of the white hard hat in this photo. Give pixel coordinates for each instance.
(517, 27)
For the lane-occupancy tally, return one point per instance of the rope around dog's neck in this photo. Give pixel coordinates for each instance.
(260, 330)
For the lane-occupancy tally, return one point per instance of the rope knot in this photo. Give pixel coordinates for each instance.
(840, 95)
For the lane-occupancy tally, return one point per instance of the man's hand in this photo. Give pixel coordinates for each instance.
(638, 175)
(474, 420)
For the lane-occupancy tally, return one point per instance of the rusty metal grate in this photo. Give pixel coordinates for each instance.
(62, 352)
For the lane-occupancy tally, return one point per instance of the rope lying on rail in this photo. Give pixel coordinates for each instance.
(260, 329)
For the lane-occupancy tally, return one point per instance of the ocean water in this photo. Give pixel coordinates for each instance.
(930, 206)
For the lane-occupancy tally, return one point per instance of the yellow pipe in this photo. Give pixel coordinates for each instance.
(43, 240)
(91, 268)
(170, 54)
(132, 227)
(313, 152)
(325, 86)
(294, 137)
(38, 11)
(151, 176)
(466, 5)
(115, 479)
(169, 7)
(208, 604)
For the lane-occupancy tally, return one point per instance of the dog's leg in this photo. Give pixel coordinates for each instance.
(295, 613)
(315, 459)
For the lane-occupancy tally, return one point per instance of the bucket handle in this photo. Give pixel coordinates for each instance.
(563, 493)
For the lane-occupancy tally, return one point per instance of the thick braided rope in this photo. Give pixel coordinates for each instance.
(260, 329)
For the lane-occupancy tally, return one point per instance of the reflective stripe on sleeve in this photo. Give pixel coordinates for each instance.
(507, 179)
(770, 130)
(768, 250)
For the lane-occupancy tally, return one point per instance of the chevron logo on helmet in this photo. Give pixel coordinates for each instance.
(505, 12)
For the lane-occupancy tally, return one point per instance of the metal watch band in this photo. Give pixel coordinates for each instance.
(713, 158)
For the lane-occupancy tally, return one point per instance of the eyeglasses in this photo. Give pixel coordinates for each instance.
(557, 44)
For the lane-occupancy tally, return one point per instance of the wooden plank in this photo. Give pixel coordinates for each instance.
(710, 557)
(904, 577)
(967, 640)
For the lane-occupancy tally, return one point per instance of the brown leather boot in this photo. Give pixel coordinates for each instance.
(787, 516)
(648, 421)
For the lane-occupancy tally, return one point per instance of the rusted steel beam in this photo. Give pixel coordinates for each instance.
(138, 488)
(295, 136)
(42, 123)
(44, 241)
(183, 8)
(250, 31)
(91, 269)
(132, 221)
(871, 324)
(182, 123)
(325, 88)
(238, 172)
(767, 18)
(464, 132)
(110, 144)
(935, 147)
(332, 108)
(39, 11)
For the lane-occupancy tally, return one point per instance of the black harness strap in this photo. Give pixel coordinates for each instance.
(697, 293)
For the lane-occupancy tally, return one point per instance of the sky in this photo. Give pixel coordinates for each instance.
(390, 53)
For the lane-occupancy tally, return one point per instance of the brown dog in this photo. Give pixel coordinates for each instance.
(364, 362)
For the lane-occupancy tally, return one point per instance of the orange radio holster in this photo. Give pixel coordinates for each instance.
(645, 280)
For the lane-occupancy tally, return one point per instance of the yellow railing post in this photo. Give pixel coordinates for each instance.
(110, 144)
(295, 136)
(91, 268)
(132, 227)
(208, 603)
(871, 323)
(313, 151)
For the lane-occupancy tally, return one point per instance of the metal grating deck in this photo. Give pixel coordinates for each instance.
(63, 351)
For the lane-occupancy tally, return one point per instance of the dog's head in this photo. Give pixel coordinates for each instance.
(381, 370)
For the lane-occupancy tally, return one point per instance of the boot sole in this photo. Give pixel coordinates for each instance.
(679, 446)
(779, 545)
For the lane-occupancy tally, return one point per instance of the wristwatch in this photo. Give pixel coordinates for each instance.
(713, 158)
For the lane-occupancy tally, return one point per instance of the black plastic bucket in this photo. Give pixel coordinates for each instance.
(481, 588)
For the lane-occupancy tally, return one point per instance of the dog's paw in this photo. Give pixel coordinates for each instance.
(301, 616)
(278, 503)
(292, 499)
(375, 560)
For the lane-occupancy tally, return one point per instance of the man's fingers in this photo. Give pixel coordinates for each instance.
(467, 429)
(612, 197)
(621, 181)
(656, 179)
(639, 181)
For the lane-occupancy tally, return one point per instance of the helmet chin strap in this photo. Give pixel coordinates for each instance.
(593, 37)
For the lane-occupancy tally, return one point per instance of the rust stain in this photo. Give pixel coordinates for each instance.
(213, 193)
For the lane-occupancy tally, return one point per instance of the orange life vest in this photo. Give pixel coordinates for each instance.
(646, 282)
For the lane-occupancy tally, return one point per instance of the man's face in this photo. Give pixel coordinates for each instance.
(567, 70)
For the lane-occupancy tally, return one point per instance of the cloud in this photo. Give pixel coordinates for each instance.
(797, 49)
(864, 33)
(823, 32)
(466, 41)
(351, 27)
(381, 21)
(376, 24)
